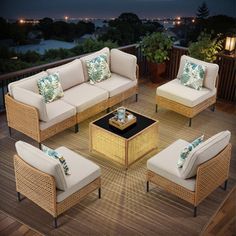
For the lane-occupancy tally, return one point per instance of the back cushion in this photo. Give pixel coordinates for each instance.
(204, 152)
(32, 99)
(123, 64)
(37, 159)
(29, 83)
(92, 56)
(70, 74)
(210, 74)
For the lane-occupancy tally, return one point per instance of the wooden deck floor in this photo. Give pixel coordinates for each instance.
(125, 208)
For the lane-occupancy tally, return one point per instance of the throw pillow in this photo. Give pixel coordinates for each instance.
(54, 154)
(98, 69)
(193, 75)
(185, 152)
(50, 87)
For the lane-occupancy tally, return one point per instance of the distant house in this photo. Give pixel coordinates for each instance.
(43, 46)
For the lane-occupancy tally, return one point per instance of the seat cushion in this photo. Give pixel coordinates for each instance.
(164, 164)
(83, 172)
(70, 74)
(29, 83)
(39, 160)
(211, 71)
(116, 84)
(57, 111)
(124, 64)
(92, 56)
(204, 152)
(189, 97)
(84, 96)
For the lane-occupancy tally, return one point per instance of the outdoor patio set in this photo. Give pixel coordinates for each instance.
(51, 101)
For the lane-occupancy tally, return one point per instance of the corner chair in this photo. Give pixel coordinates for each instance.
(41, 179)
(187, 101)
(206, 168)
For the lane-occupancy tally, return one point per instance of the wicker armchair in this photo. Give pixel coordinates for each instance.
(41, 187)
(209, 174)
(187, 101)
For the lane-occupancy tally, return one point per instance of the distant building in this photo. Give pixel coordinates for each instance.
(43, 46)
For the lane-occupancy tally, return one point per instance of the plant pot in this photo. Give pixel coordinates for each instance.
(156, 71)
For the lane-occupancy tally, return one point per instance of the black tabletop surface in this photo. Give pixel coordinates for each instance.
(142, 123)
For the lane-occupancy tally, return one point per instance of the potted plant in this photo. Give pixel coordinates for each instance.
(206, 47)
(156, 49)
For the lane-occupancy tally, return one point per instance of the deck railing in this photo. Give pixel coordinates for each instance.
(227, 72)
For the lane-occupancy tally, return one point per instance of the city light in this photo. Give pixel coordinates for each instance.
(193, 20)
(66, 18)
(21, 21)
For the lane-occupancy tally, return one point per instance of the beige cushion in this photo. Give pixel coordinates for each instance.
(211, 71)
(70, 74)
(57, 111)
(33, 99)
(84, 96)
(164, 164)
(204, 152)
(83, 172)
(123, 64)
(92, 56)
(39, 160)
(29, 83)
(116, 84)
(189, 97)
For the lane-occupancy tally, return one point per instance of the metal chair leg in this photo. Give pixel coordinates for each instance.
(195, 212)
(156, 108)
(147, 186)
(136, 97)
(76, 128)
(10, 133)
(213, 107)
(40, 146)
(99, 193)
(55, 222)
(190, 122)
(225, 185)
(18, 197)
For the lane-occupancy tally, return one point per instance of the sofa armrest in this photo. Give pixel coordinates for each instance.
(32, 99)
(124, 64)
(22, 117)
(36, 185)
(211, 174)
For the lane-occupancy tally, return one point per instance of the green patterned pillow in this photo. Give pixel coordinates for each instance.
(98, 69)
(54, 154)
(193, 75)
(185, 152)
(50, 87)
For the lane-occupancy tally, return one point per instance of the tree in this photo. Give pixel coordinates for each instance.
(202, 11)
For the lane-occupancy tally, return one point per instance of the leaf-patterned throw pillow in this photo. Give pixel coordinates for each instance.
(193, 75)
(54, 154)
(185, 152)
(98, 69)
(50, 87)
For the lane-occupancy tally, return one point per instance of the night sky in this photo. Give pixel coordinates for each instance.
(110, 8)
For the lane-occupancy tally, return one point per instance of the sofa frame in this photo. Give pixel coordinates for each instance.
(210, 175)
(40, 188)
(25, 118)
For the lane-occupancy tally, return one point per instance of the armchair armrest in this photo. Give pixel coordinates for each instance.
(22, 117)
(212, 174)
(124, 64)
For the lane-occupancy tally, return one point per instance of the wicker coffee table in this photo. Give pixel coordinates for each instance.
(127, 146)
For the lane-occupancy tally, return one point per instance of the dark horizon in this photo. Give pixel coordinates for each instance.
(11, 9)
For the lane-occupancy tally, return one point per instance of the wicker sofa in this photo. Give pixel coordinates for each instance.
(27, 112)
(205, 169)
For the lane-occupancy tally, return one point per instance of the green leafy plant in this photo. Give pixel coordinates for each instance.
(206, 47)
(156, 47)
